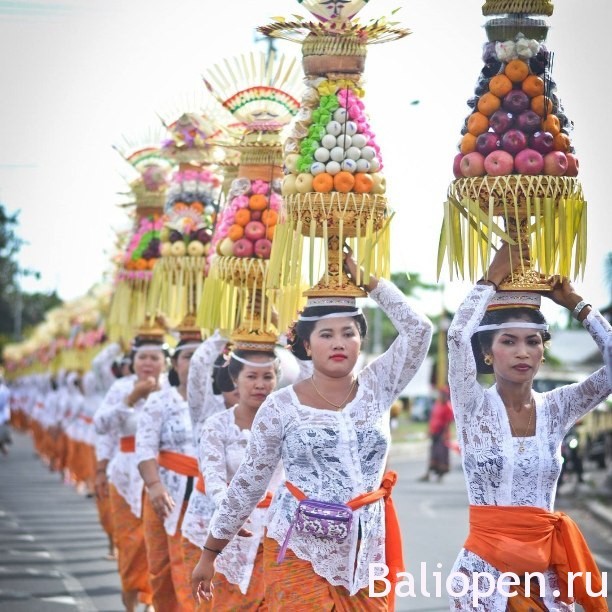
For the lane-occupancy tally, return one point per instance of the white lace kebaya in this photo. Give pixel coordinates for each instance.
(222, 448)
(496, 473)
(330, 455)
(164, 424)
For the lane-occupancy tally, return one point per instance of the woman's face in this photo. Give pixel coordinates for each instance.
(334, 346)
(517, 354)
(255, 383)
(181, 365)
(148, 363)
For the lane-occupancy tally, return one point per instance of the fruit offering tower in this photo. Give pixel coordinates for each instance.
(142, 250)
(516, 169)
(334, 187)
(192, 202)
(260, 91)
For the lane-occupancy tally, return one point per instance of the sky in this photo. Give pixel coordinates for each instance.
(79, 76)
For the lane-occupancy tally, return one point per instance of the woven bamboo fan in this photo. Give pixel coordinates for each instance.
(261, 93)
(333, 189)
(516, 171)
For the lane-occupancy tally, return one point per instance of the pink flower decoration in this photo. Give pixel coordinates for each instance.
(260, 187)
(241, 201)
(275, 201)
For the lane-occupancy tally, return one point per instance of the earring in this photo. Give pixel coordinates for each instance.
(543, 359)
(488, 359)
(308, 352)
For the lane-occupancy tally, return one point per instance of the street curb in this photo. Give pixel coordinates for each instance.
(599, 511)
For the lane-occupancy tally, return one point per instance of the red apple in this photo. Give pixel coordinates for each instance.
(472, 164)
(572, 165)
(501, 121)
(516, 101)
(487, 143)
(529, 161)
(457, 166)
(263, 247)
(254, 230)
(555, 163)
(528, 122)
(543, 142)
(499, 163)
(243, 248)
(204, 235)
(514, 141)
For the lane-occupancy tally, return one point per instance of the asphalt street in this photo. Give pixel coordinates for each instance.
(52, 549)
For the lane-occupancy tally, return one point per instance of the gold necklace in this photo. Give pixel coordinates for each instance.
(337, 406)
(521, 448)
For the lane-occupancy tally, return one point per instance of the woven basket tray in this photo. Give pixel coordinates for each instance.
(241, 271)
(525, 7)
(331, 207)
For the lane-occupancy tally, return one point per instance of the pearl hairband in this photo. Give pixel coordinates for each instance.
(513, 324)
(255, 364)
(331, 315)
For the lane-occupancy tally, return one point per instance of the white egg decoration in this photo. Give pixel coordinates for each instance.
(368, 152)
(340, 115)
(349, 165)
(328, 141)
(363, 165)
(317, 168)
(359, 140)
(374, 164)
(337, 154)
(334, 128)
(353, 153)
(344, 141)
(322, 154)
(332, 167)
(350, 128)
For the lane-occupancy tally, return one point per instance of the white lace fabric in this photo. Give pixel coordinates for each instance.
(222, 448)
(164, 424)
(496, 473)
(330, 455)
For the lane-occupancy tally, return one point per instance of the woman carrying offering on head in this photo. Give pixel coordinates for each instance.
(331, 517)
(510, 439)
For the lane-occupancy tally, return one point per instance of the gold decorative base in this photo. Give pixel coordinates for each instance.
(524, 280)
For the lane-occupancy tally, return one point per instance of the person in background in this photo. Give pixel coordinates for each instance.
(5, 417)
(440, 422)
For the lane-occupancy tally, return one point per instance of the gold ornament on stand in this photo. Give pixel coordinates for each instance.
(333, 189)
(260, 92)
(516, 171)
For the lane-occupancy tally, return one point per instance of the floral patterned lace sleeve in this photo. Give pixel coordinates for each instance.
(466, 392)
(106, 422)
(396, 367)
(148, 433)
(202, 401)
(101, 366)
(250, 482)
(573, 401)
(214, 453)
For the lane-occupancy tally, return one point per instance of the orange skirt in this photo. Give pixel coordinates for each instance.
(191, 556)
(293, 585)
(521, 603)
(169, 576)
(129, 539)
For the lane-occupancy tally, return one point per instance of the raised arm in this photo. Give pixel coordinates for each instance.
(200, 381)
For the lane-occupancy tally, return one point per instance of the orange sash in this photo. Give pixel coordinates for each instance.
(86, 418)
(179, 463)
(266, 501)
(127, 444)
(522, 539)
(199, 485)
(394, 556)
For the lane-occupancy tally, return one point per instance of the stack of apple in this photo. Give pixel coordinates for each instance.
(246, 227)
(515, 129)
(339, 151)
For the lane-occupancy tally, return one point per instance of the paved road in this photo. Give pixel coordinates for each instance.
(52, 548)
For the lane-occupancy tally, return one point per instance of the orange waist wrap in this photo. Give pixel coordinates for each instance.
(522, 539)
(199, 485)
(266, 501)
(127, 444)
(394, 556)
(179, 463)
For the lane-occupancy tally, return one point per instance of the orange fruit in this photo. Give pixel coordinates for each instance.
(500, 85)
(363, 182)
(242, 216)
(516, 70)
(258, 201)
(561, 142)
(537, 105)
(235, 232)
(477, 123)
(551, 124)
(488, 104)
(344, 181)
(270, 232)
(323, 183)
(269, 217)
(468, 143)
(533, 86)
